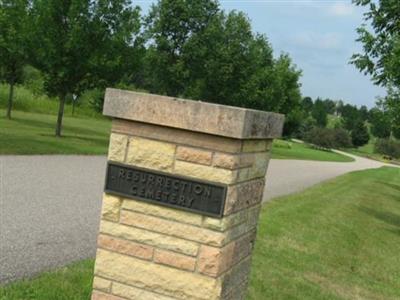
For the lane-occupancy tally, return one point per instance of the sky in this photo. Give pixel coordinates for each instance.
(320, 38)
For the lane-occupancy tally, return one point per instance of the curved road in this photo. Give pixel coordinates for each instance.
(50, 205)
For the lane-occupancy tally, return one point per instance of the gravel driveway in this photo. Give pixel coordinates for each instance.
(50, 205)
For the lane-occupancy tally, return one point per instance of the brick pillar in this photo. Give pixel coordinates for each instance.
(162, 245)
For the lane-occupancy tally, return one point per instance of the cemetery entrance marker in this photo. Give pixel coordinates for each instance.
(183, 191)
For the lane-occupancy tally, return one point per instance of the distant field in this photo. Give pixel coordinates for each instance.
(31, 133)
(289, 150)
(337, 240)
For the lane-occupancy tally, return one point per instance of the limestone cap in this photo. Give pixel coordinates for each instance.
(215, 119)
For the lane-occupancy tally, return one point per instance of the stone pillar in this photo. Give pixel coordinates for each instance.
(183, 193)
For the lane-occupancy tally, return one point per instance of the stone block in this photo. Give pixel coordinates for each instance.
(103, 296)
(151, 154)
(117, 148)
(149, 238)
(180, 136)
(225, 223)
(170, 228)
(205, 172)
(162, 212)
(194, 155)
(110, 208)
(101, 284)
(125, 247)
(214, 261)
(134, 293)
(175, 260)
(156, 278)
(244, 195)
(210, 118)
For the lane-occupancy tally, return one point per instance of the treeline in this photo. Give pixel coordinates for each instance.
(183, 48)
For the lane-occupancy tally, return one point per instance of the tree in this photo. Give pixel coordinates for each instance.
(307, 104)
(200, 52)
(319, 113)
(330, 106)
(381, 51)
(76, 43)
(364, 113)
(169, 26)
(13, 34)
(380, 123)
(381, 45)
(351, 116)
(360, 135)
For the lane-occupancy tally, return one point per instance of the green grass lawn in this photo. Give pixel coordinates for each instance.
(290, 150)
(337, 240)
(32, 133)
(368, 151)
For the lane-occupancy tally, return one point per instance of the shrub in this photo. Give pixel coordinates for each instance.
(388, 147)
(341, 138)
(321, 137)
(329, 138)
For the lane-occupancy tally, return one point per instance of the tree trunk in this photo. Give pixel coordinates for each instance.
(10, 100)
(73, 106)
(60, 115)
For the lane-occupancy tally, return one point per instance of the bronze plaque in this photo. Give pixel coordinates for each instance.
(181, 192)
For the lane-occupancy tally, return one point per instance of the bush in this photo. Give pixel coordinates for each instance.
(329, 138)
(388, 147)
(321, 137)
(342, 138)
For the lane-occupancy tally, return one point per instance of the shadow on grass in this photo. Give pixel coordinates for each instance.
(97, 141)
(388, 217)
(50, 124)
(33, 123)
(391, 185)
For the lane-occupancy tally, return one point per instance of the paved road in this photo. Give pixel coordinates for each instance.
(288, 176)
(50, 205)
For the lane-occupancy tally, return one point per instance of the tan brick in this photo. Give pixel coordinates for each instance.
(151, 154)
(194, 155)
(185, 137)
(226, 222)
(163, 212)
(233, 161)
(214, 261)
(243, 195)
(110, 208)
(131, 292)
(156, 278)
(149, 238)
(117, 148)
(102, 296)
(189, 232)
(205, 172)
(101, 284)
(175, 260)
(227, 161)
(125, 247)
(256, 145)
